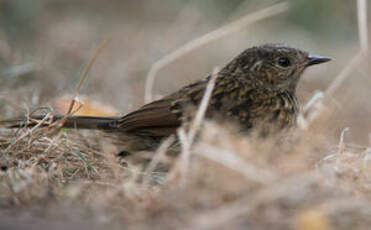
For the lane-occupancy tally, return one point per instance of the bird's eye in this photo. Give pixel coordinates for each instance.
(284, 62)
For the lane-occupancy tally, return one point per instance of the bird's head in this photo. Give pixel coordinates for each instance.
(273, 66)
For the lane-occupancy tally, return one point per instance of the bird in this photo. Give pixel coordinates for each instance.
(256, 90)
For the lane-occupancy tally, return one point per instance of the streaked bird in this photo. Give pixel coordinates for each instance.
(256, 89)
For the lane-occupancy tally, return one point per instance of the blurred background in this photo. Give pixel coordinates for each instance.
(46, 44)
(52, 179)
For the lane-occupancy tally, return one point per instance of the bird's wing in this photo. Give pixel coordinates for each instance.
(162, 117)
(153, 119)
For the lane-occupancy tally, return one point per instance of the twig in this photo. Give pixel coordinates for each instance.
(341, 141)
(207, 38)
(362, 25)
(160, 154)
(344, 73)
(203, 107)
(183, 163)
(85, 73)
(187, 139)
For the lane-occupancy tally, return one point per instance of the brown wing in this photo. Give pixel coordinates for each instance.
(162, 117)
(153, 119)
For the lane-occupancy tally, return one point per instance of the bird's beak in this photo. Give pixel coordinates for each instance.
(314, 60)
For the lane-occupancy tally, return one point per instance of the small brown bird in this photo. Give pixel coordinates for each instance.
(256, 89)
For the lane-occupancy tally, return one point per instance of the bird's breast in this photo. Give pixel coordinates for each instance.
(265, 112)
(283, 111)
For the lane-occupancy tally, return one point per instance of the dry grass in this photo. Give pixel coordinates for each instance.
(57, 178)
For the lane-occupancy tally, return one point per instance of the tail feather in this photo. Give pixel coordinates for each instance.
(79, 122)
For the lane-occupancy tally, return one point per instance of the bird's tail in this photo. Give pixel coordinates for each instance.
(79, 122)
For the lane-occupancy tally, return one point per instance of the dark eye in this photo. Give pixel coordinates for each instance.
(284, 62)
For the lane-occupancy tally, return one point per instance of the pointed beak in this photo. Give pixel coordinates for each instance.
(314, 60)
